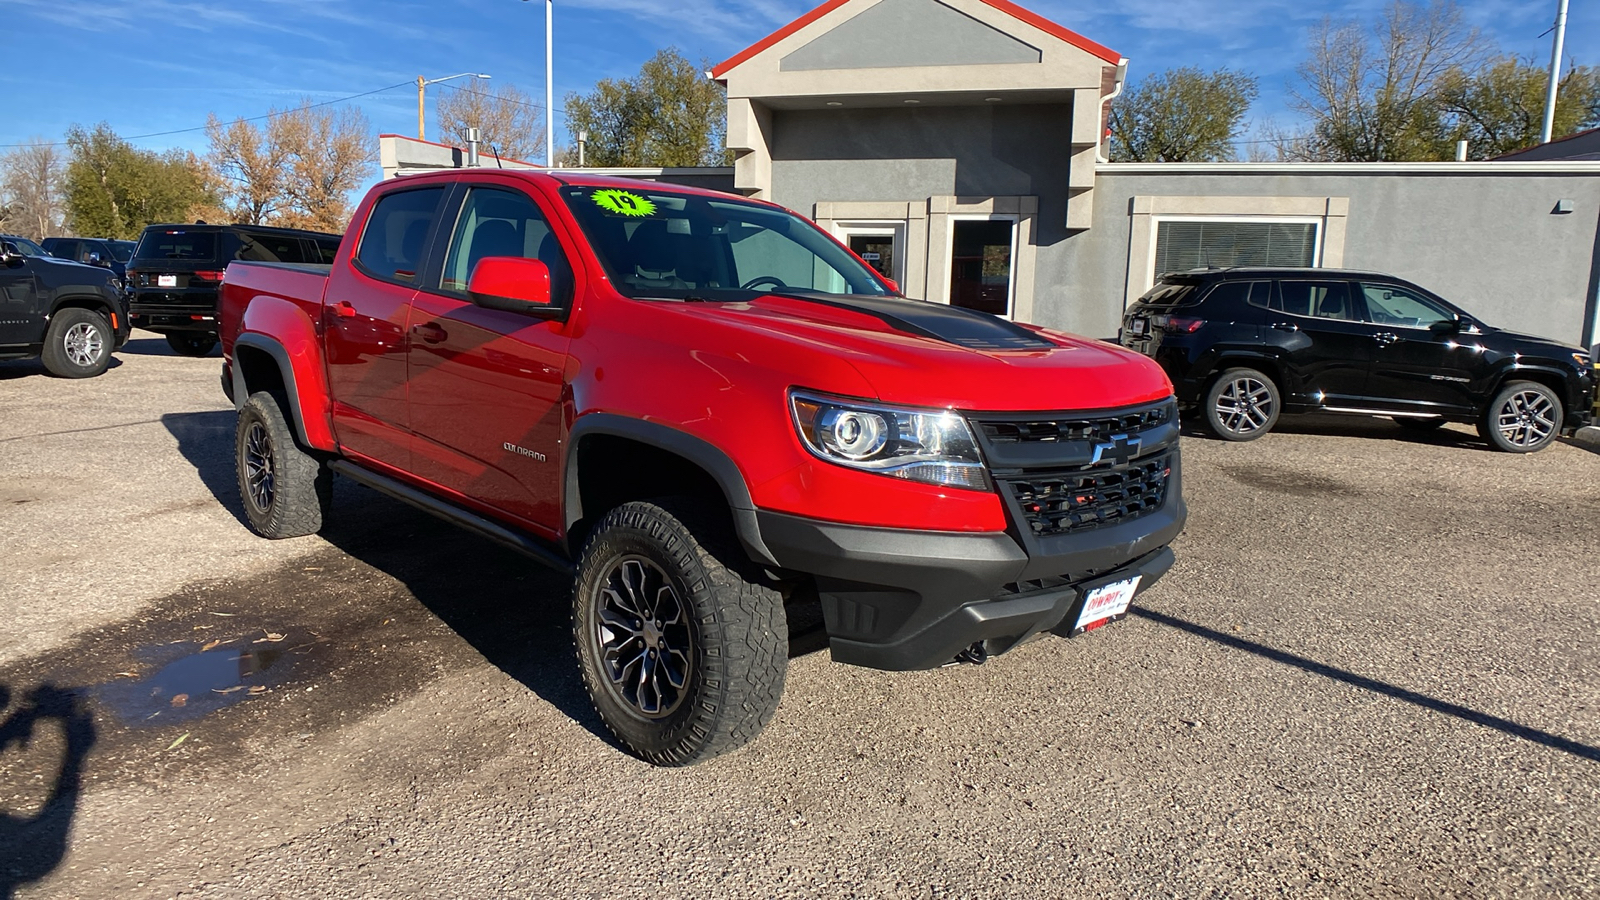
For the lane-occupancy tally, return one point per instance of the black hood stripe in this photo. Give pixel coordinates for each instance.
(950, 324)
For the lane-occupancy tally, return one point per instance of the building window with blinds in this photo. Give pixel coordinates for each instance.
(1202, 243)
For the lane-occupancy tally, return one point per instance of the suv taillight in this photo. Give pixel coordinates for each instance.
(1178, 324)
(208, 276)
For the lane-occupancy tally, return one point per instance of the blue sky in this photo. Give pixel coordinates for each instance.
(161, 65)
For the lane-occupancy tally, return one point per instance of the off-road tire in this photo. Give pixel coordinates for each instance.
(299, 487)
(191, 343)
(1412, 423)
(1253, 398)
(78, 344)
(1546, 416)
(735, 626)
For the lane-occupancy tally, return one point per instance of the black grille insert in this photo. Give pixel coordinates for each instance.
(1085, 428)
(1083, 500)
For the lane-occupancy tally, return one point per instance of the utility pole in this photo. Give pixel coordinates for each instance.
(1555, 74)
(423, 83)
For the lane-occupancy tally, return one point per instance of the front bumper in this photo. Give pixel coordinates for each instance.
(897, 599)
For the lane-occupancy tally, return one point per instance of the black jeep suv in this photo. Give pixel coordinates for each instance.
(175, 275)
(1243, 345)
(70, 315)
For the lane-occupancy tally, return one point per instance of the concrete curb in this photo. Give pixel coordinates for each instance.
(1589, 434)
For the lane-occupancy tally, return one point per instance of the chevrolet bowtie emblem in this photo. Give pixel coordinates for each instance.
(1120, 448)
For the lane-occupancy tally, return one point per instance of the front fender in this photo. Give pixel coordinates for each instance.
(279, 328)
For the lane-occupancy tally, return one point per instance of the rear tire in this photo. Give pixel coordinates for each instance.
(286, 491)
(1524, 417)
(191, 343)
(682, 648)
(1242, 405)
(77, 344)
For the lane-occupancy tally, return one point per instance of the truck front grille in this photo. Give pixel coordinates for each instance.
(1073, 428)
(1090, 497)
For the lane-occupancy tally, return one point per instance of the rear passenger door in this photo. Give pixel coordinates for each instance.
(364, 320)
(486, 385)
(1319, 330)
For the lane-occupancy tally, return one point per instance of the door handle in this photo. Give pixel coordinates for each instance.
(430, 332)
(1285, 326)
(344, 310)
(1385, 337)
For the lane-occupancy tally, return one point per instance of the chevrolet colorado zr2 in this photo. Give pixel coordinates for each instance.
(702, 407)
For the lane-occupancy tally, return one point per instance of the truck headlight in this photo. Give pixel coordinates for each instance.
(933, 446)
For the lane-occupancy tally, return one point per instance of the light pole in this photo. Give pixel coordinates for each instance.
(549, 89)
(1555, 74)
(424, 82)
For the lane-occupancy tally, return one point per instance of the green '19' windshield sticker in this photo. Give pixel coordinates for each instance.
(629, 204)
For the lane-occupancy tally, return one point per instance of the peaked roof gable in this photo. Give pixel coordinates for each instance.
(1022, 15)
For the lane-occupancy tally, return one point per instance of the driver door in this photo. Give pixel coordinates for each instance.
(1415, 369)
(20, 319)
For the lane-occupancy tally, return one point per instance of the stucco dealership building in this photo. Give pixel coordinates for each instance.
(957, 146)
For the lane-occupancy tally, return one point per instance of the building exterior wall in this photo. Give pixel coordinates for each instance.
(1488, 237)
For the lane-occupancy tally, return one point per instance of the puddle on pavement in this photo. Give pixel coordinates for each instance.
(197, 684)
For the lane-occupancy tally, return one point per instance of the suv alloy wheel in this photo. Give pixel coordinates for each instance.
(1523, 417)
(1242, 405)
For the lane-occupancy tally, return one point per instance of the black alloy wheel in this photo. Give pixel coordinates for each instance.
(1523, 417)
(285, 490)
(1242, 405)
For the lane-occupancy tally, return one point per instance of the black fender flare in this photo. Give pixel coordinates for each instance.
(1571, 389)
(272, 348)
(77, 295)
(713, 461)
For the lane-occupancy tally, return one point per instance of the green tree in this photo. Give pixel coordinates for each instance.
(670, 114)
(1500, 107)
(1181, 115)
(115, 189)
(1375, 96)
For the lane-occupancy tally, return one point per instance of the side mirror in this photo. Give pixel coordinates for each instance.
(513, 284)
(1448, 326)
(10, 256)
(95, 260)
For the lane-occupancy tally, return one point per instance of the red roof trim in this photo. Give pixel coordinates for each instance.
(1005, 6)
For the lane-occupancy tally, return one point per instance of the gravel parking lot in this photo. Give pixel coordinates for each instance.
(1375, 671)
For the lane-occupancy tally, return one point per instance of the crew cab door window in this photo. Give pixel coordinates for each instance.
(396, 236)
(503, 223)
(1395, 306)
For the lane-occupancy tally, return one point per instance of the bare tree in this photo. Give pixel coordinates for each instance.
(32, 189)
(252, 163)
(1374, 96)
(507, 119)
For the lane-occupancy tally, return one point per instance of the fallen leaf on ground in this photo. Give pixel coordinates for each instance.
(174, 744)
(226, 615)
(271, 638)
(127, 674)
(237, 687)
(312, 569)
(211, 645)
(258, 689)
(180, 699)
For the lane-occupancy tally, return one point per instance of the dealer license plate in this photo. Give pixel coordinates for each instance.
(1138, 326)
(166, 281)
(1105, 602)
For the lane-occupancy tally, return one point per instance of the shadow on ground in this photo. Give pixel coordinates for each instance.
(157, 346)
(511, 610)
(43, 768)
(1371, 427)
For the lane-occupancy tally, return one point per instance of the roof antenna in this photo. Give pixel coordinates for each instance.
(497, 162)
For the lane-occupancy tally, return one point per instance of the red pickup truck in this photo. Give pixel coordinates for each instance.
(704, 408)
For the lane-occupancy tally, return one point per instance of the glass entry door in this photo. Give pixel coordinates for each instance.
(880, 245)
(981, 269)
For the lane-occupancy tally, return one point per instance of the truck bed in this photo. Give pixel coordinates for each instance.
(301, 284)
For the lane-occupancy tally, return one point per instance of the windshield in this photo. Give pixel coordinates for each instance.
(122, 251)
(25, 246)
(662, 245)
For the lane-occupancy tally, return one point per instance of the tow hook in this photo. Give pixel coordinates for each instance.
(976, 654)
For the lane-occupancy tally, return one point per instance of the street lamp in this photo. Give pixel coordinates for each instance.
(424, 82)
(549, 91)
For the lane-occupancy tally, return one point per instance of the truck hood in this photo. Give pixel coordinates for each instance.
(920, 353)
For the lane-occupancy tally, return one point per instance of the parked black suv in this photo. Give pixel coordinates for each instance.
(176, 274)
(70, 315)
(1243, 345)
(106, 253)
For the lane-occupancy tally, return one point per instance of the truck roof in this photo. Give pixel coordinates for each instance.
(577, 179)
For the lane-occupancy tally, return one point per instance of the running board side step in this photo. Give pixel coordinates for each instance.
(471, 521)
(1377, 412)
